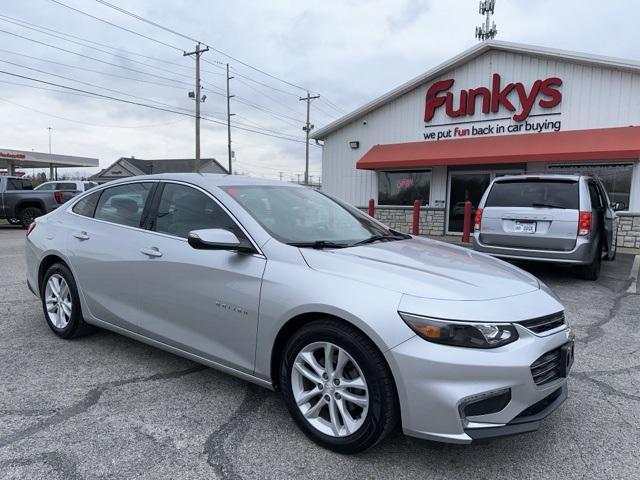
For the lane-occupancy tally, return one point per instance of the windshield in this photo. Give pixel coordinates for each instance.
(302, 215)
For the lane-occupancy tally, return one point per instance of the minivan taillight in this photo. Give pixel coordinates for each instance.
(584, 224)
(477, 222)
(30, 228)
(58, 197)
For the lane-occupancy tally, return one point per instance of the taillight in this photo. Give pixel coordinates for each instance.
(477, 222)
(30, 228)
(58, 197)
(584, 223)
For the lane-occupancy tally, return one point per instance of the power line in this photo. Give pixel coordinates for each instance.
(167, 29)
(160, 42)
(90, 70)
(93, 58)
(154, 107)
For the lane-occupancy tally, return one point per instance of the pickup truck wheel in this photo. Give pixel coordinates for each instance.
(591, 271)
(28, 215)
(61, 302)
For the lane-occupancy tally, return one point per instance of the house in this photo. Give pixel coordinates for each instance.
(131, 166)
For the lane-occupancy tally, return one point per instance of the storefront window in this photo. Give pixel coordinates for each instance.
(403, 188)
(616, 178)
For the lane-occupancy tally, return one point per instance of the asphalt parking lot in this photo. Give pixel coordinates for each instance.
(105, 406)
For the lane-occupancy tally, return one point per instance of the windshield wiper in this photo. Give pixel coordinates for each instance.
(547, 205)
(318, 244)
(379, 238)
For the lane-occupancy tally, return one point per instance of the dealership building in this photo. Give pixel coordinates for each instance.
(496, 109)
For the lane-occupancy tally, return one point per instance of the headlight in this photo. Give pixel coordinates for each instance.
(461, 334)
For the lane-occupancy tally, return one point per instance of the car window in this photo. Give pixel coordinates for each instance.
(18, 184)
(123, 204)
(183, 209)
(45, 186)
(596, 203)
(66, 186)
(534, 192)
(87, 206)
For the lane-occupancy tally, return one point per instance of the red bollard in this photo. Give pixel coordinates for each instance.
(372, 208)
(416, 217)
(466, 228)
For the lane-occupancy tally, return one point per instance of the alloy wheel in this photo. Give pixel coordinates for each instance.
(58, 301)
(329, 389)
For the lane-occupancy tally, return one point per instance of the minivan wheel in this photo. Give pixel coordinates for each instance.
(591, 271)
(338, 387)
(61, 303)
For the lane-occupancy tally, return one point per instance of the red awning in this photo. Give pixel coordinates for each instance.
(596, 144)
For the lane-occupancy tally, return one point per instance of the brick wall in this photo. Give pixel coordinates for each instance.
(628, 230)
(400, 218)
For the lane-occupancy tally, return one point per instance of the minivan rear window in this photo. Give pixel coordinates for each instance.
(535, 193)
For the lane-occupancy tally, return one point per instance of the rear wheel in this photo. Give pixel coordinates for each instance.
(28, 215)
(61, 303)
(14, 221)
(338, 387)
(591, 271)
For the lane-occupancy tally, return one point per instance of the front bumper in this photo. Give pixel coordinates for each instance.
(434, 380)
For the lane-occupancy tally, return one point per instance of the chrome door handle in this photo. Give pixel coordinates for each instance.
(81, 235)
(151, 252)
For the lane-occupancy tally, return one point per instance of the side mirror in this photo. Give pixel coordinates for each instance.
(216, 239)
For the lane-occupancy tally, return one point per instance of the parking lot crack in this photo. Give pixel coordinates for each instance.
(63, 464)
(233, 430)
(89, 400)
(605, 387)
(596, 331)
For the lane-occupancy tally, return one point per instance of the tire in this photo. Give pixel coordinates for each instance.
(28, 215)
(363, 426)
(14, 221)
(70, 324)
(591, 271)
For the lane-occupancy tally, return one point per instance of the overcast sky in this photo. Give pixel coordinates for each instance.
(349, 51)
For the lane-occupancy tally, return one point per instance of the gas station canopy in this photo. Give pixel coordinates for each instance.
(11, 159)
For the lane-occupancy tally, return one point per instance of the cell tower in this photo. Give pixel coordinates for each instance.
(488, 30)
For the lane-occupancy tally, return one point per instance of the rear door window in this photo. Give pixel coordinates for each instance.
(123, 204)
(535, 193)
(87, 206)
(19, 184)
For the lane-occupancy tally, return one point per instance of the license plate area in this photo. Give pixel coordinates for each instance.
(567, 355)
(522, 226)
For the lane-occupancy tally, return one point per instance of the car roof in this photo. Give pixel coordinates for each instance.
(209, 180)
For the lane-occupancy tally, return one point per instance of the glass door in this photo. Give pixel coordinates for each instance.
(464, 186)
(468, 185)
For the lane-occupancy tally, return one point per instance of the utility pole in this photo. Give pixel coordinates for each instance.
(50, 162)
(307, 129)
(281, 173)
(197, 52)
(229, 115)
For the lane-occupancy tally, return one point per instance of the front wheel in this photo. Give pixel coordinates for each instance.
(338, 387)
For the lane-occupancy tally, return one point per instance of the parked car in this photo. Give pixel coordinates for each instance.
(20, 204)
(360, 327)
(69, 185)
(552, 218)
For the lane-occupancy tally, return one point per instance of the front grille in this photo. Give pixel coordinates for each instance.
(543, 324)
(548, 367)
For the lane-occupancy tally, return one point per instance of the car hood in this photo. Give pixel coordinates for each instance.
(425, 268)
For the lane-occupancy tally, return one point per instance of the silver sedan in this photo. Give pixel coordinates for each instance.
(360, 327)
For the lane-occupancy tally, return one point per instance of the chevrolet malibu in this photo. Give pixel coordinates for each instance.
(359, 326)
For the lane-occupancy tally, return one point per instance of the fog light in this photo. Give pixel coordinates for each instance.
(485, 403)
